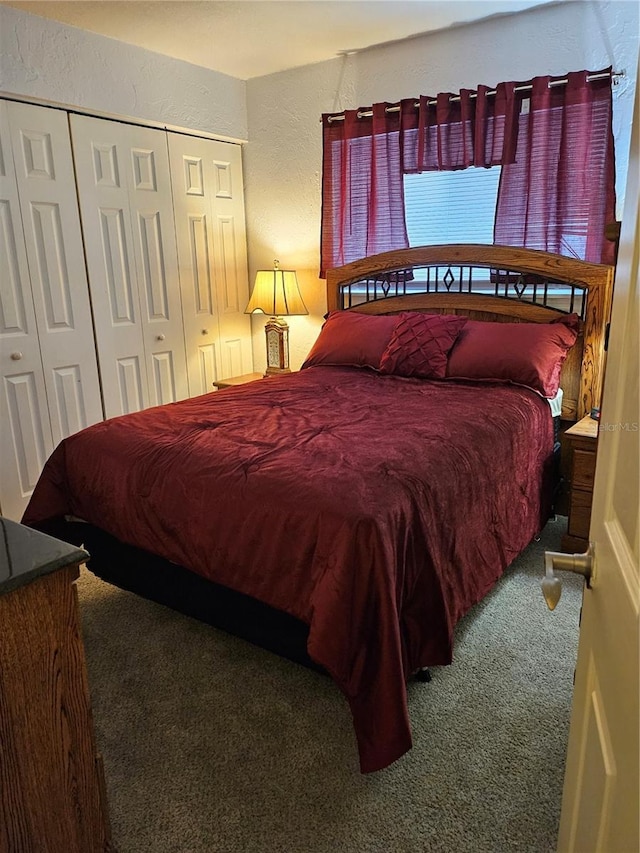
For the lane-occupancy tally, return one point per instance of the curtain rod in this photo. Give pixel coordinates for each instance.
(527, 87)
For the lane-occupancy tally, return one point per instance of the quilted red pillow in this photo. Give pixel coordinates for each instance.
(420, 344)
(530, 354)
(353, 339)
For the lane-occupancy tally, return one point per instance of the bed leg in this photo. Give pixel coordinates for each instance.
(423, 674)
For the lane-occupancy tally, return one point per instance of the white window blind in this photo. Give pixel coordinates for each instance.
(451, 207)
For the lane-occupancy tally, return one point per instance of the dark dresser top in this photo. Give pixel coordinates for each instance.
(26, 554)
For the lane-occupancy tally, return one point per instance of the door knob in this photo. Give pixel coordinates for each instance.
(582, 564)
(16, 356)
(159, 337)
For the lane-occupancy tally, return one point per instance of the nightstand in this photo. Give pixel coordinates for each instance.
(237, 380)
(581, 442)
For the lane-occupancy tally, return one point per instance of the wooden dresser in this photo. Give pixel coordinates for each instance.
(580, 442)
(52, 793)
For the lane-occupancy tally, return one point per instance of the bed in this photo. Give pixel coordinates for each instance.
(348, 515)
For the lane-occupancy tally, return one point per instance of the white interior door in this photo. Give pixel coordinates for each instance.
(126, 206)
(25, 430)
(49, 368)
(600, 807)
(106, 221)
(210, 228)
(154, 244)
(51, 223)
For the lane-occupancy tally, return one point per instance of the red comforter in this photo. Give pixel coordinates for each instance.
(376, 509)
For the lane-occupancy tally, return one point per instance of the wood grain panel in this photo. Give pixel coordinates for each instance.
(584, 469)
(51, 794)
(580, 515)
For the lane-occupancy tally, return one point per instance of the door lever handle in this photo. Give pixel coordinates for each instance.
(582, 564)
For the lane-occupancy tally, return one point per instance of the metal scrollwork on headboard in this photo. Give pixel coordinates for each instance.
(563, 296)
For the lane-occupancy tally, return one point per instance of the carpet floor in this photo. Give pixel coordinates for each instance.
(212, 745)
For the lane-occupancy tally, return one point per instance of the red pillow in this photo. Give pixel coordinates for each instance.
(530, 354)
(354, 339)
(420, 344)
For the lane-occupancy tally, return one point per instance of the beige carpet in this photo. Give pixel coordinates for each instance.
(211, 744)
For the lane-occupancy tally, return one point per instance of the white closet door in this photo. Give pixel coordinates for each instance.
(46, 188)
(154, 243)
(210, 228)
(25, 431)
(106, 222)
(125, 202)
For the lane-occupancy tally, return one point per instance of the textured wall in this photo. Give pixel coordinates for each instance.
(45, 60)
(283, 159)
(279, 114)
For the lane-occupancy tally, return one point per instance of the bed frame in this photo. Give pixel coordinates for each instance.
(484, 282)
(495, 283)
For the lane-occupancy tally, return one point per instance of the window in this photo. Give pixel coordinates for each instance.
(451, 207)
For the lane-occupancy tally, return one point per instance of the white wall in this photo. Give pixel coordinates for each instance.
(283, 159)
(43, 60)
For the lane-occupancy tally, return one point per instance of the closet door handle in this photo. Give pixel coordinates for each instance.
(159, 337)
(16, 356)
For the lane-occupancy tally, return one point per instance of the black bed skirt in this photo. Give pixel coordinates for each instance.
(159, 580)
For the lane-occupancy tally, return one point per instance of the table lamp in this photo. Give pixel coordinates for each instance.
(276, 293)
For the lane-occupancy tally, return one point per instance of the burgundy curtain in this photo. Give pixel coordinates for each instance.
(365, 157)
(554, 143)
(362, 187)
(470, 128)
(559, 194)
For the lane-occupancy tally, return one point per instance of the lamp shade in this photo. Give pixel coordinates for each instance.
(276, 293)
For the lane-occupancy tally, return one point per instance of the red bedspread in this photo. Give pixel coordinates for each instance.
(376, 509)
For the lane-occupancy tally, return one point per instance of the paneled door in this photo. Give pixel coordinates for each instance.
(601, 800)
(126, 206)
(50, 385)
(210, 227)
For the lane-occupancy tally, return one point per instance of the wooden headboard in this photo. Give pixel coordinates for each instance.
(495, 283)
